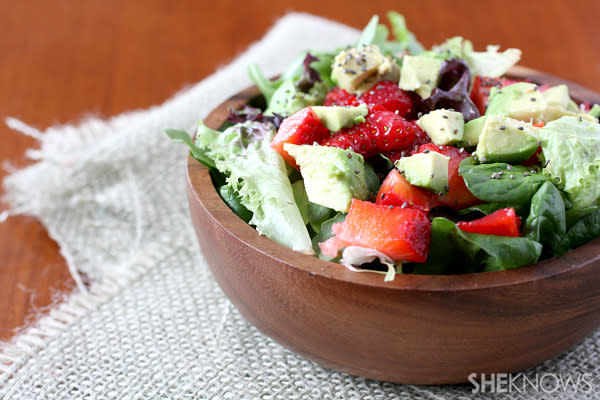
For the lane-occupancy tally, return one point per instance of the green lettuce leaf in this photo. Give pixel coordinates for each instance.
(322, 65)
(288, 98)
(377, 34)
(403, 36)
(266, 86)
(312, 214)
(196, 152)
(571, 147)
(491, 62)
(258, 175)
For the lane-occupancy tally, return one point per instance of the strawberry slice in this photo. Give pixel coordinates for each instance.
(503, 222)
(382, 131)
(303, 127)
(458, 196)
(390, 97)
(397, 191)
(339, 97)
(403, 234)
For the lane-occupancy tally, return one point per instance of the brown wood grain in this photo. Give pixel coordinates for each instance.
(415, 329)
(62, 60)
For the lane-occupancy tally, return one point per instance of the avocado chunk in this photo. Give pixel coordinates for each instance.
(472, 131)
(443, 126)
(560, 104)
(505, 139)
(524, 101)
(288, 98)
(420, 74)
(332, 176)
(427, 170)
(357, 69)
(338, 117)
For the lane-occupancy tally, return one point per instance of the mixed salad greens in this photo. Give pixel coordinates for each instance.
(387, 157)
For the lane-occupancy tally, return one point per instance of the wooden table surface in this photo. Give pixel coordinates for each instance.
(62, 60)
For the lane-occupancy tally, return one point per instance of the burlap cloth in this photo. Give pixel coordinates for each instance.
(153, 323)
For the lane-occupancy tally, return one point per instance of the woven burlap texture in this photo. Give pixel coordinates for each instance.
(154, 324)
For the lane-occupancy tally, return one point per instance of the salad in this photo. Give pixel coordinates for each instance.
(387, 157)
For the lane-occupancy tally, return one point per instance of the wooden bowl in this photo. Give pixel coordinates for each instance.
(416, 329)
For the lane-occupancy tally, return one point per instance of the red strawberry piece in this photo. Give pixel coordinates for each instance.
(534, 159)
(339, 97)
(303, 127)
(458, 196)
(503, 222)
(382, 131)
(395, 190)
(390, 97)
(403, 234)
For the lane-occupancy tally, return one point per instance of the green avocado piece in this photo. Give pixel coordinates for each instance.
(427, 170)
(420, 74)
(472, 131)
(522, 101)
(505, 139)
(525, 102)
(288, 99)
(338, 117)
(443, 126)
(332, 176)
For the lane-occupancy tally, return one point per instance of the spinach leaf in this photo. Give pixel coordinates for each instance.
(501, 182)
(584, 230)
(325, 233)
(233, 200)
(546, 222)
(373, 182)
(454, 251)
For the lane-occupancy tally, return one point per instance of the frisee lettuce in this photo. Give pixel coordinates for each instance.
(257, 175)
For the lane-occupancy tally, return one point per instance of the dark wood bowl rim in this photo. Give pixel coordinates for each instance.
(239, 230)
